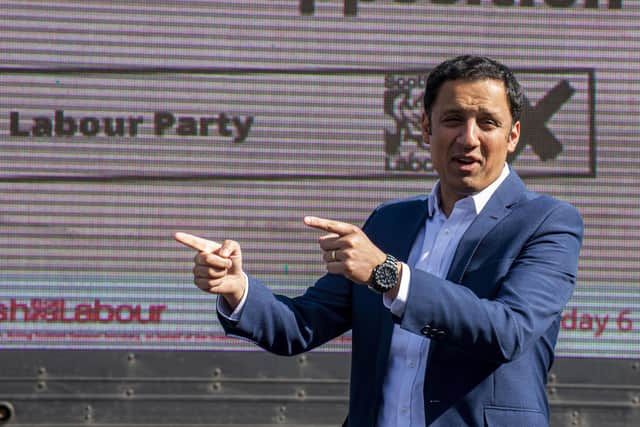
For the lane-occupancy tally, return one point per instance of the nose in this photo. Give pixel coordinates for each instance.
(468, 134)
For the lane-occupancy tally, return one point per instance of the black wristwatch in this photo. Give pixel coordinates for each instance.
(385, 275)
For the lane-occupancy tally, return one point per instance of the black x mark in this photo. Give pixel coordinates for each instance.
(533, 129)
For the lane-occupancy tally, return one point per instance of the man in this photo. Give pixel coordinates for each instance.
(454, 299)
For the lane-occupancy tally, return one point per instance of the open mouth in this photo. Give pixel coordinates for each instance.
(466, 160)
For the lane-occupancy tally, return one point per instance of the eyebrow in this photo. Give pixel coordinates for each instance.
(463, 110)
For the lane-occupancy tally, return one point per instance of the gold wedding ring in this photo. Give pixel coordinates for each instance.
(333, 255)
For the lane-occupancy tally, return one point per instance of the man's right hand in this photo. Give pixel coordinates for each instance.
(218, 267)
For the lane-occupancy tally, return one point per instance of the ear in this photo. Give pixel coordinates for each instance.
(426, 128)
(514, 137)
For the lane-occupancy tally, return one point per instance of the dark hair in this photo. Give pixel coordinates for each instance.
(470, 67)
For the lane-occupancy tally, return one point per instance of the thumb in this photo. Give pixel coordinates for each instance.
(231, 249)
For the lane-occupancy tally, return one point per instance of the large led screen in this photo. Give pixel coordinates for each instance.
(123, 122)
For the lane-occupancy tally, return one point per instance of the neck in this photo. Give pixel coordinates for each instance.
(447, 201)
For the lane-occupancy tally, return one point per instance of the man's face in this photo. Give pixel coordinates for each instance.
(470, 132)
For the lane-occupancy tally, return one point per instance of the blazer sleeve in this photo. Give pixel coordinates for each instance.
(288, 326)
(513, 290)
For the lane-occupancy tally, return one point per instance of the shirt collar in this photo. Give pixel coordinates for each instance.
(480, 199)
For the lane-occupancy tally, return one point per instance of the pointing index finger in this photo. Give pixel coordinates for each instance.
(340, 228)
(197, 243)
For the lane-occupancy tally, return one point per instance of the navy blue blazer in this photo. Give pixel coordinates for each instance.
(493, 321)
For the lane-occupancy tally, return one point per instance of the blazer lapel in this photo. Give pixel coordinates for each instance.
(499, 206)
(402, 227)
(406, 225)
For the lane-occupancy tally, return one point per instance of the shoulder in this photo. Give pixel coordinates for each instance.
(404, 203)
(541, 213)
(514, 194)
(528, 213)
(546, 205)
(396, 217)
(399, 208)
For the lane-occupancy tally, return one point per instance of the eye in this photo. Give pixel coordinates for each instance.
(488, 123)
(451, 120)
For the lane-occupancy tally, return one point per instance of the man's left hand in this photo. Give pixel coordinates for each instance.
(346, 249)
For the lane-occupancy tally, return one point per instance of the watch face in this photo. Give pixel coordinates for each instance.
(385, 275)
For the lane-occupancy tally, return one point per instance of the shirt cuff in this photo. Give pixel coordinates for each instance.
(223, 307)
(396, 306)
